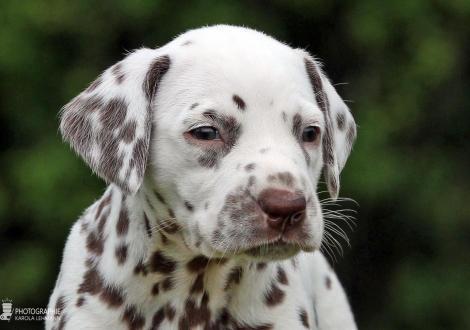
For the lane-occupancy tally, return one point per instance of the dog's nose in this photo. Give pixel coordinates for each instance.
(284, 209)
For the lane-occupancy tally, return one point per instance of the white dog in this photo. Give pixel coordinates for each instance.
(213, 146)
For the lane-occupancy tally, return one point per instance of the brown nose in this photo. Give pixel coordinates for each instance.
(284, 209)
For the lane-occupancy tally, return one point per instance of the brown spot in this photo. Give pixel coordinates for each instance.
(234, 276)
(155, 289)
(340, 120)
(250, 167)
(121, 253)
(118, 74)
(95, 243)
(168, 284)
(274, 296)
(194, 315)
(157, 319)
(147, 225)
(127, 133)
(261, 266)
(155, 74)
(171, 228)
(281, 275)
(132, 318)
(189, 206)
(94, 85)
(112, 296)
(158, 263)
(60, 304)
(194, 105)
(139, 156)
(239, 102)
(328, 282)
(304, 318)
(198, 285)
(80, 301)
(149, 202)
(297, 126)
(159, 197)
(197, 264)
(169, 312)
(251, 181)
(122, 225)
(140, 268)
(102, 222)
(104, 202)
(209, 159)
(63, 322)
(92, 282)
(113, 114)
(286, 178)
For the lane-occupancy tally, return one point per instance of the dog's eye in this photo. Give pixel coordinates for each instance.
(206, 133)
(310, 134)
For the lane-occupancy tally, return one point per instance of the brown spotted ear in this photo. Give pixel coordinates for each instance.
(109, 123)
(340, 128)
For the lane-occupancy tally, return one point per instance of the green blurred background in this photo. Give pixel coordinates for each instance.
(406, 63)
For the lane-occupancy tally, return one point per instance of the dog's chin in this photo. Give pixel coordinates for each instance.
(271, 252)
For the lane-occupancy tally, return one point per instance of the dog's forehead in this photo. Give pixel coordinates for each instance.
(232, 63)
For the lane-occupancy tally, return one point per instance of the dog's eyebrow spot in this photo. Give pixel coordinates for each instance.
(193, 106)
(186, 43)
(297, 125)
(264, 150)
(239, 102)
(284, 116)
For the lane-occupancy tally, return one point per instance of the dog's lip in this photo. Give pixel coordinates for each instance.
(274, 250)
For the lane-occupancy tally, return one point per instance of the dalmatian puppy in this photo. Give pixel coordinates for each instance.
(213, 146)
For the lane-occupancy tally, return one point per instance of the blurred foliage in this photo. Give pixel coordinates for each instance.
(407, 65)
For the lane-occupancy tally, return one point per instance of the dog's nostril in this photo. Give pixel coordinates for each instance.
(298, 216)
(274, 216)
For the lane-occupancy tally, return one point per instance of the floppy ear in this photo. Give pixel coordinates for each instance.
(340, 128)
(109, 123)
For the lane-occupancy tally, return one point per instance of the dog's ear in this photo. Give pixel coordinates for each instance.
(340, 128)
(109, 123)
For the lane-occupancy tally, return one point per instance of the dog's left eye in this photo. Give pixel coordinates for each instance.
(206, 133)
(310, 134)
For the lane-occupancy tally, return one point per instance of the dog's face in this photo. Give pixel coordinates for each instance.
(235, 128)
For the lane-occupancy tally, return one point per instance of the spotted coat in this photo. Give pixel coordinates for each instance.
(213, 146)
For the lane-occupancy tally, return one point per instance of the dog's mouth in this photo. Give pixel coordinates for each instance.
(277, 250)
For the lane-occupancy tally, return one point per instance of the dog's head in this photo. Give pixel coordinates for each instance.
(230, 128)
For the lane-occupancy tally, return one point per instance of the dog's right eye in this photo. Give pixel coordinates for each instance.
(206, 133)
